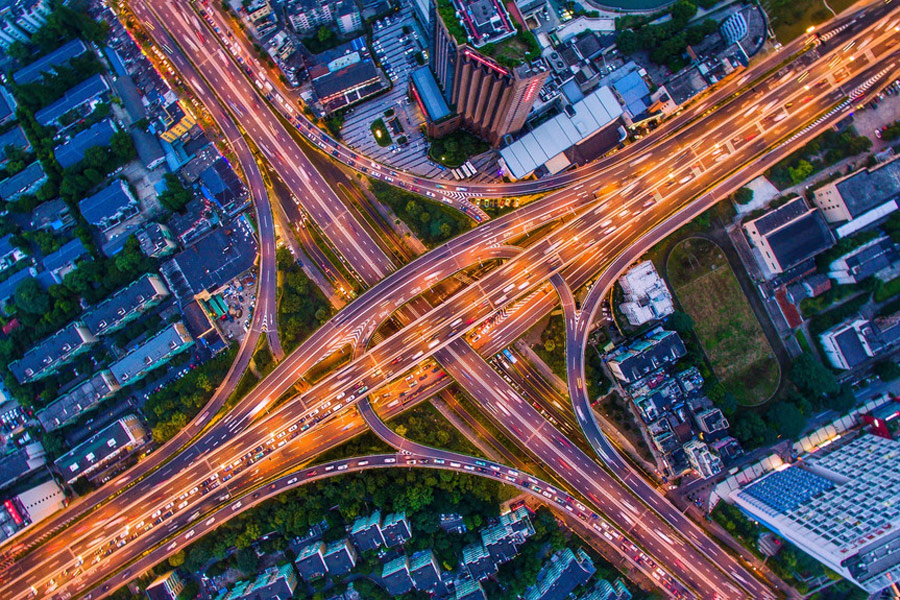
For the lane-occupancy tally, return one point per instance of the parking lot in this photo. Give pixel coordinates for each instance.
(396, 42)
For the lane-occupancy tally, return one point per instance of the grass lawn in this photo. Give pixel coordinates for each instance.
(790, 19)
(380, 131)
(728, 330)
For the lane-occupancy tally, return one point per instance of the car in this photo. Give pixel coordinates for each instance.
(292, 481)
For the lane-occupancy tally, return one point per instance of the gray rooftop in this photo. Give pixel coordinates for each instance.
(102, 318)
(61, 56)
(105, 204)
(98, 448)
(85, 91)
(783, 214)
(11, 187)
(72, 152)
(800, 239)
(150, 353)
(47, 352)
(68, 253)
(866, 189)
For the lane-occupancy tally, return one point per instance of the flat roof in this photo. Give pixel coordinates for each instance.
(68, 253)
(429, 94)
(99, 447)
(48, 352)
(347, 78)
(577, 123)
(24, 179)
(868, 188)
(150, 353)
(125, 301)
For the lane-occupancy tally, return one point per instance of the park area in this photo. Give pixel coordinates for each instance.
(791, 18)
(731, 336)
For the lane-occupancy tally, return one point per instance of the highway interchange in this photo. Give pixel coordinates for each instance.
(606, 217)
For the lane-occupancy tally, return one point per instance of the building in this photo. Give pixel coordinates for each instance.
(566, 571)
(840, 505)
(395, 529)
(165, 587)
(80, 97)
(35, 504)
(350, 84)
(75, 402)
(65, 259)
(221, 186)
(478, 561)
(468, 589)
(860, 198)
(9, 254)
(156, 240)
(305, 16)
(604, 590)
(47, 64)
(711, 420)
(125, 305)
(53, 353)
(72, 152)
(366, 532)
(340, 557)
(310, 561)
(395, 576)
(52, 216)
(275, 583)
(869, 259)
(554, 145)
(170, 121)
(348, 18)
(439, 119)
(502, 540)
(211, 262)
(153, 353)
(8, 286)
(20, 462)
(198, 217)
(102, 449)
(424, 570)
(853, 342)
(658, 348)
(789, 235)
(20, 19)
(27, 181)
(704, 462)
(110, 206)
(646, 295)
(492, 100)
(15, 137)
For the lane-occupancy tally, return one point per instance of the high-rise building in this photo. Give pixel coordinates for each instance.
(841, 505)
(491, 100)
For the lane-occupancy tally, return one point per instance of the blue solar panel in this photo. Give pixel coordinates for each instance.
(784, 491)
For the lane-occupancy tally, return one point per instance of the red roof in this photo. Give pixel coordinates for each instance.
(11, 326)
(790, 312)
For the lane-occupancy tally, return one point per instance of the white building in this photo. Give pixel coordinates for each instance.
(702, 460)
(646, 295)
(840, 505)
(20, 19)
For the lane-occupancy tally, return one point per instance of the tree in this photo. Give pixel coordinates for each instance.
(887, 370)
(176, 195)
(324, 35)
(812, 378)
(30, 297)
(803, 170)
(787, 420)
(246, 561)
(743, 195)
(751, 430)
(177, 559)
(680, 322)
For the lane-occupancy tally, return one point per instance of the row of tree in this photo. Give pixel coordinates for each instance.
(667, 41)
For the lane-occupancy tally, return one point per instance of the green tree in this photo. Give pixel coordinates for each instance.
(176, 195)
(799, 173)
(812, 378)
(787, 419)
(743, 195)
(30, 297)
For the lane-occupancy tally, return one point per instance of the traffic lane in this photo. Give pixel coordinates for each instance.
(485, 385)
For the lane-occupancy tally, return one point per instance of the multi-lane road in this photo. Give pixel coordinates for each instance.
(604, 218)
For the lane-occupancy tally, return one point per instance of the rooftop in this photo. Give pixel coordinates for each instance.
(800, 239)
(99, 447)
(572, 126)
(14, 137)
(868, 188)
(477, 22)
(61, 56)
(106, 204)
(66, 255)
(49, 352)
(11, 187)
(71, 405)
(85, 91)
(102, 318)
(151, 353)
(349, 77)
(429, 94)
(72, 152)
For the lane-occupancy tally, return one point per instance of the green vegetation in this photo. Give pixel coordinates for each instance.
(425, 425)
(172, 407)
(455, 149)
(743, 196)
(514, 51)
(41, 93)
(791, 18)
(891, 132)
(65, 23)
(176, 196)
(324, 39)
(447, 12)
(552, 349)
(302, 307)
(666, 42)
(731, 336)
(380, 132)
(431, 222)
(885, 290)
(791, 564)
(822, 152)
